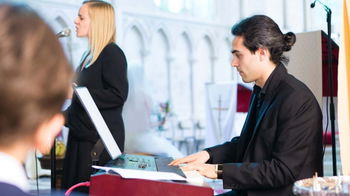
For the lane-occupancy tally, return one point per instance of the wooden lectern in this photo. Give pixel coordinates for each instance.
(113, 184)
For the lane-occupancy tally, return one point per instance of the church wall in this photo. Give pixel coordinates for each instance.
(180, 52)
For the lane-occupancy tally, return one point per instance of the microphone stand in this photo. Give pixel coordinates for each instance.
(53, 149)
(64, 33)
(331, 104)
(53, 166)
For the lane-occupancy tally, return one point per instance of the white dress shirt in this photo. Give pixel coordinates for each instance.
(12, 172)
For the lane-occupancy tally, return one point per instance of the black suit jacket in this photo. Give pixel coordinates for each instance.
(107, 82)
(285, 145)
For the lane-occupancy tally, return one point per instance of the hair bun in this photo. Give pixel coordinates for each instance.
(289, 40)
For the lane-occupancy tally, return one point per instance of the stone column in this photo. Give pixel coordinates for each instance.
(213, 61)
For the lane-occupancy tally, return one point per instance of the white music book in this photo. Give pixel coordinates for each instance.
(97, 119)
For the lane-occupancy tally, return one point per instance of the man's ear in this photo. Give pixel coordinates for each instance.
(47, 132)
(264, 54)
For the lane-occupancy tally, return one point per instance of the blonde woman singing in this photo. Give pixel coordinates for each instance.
(103, 70)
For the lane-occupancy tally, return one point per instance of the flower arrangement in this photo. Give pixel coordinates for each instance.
(162, 113)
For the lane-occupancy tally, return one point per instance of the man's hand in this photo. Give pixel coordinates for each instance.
(207, 170)
(199, 157)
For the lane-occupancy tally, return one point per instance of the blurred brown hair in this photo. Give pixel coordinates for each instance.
(34, 73)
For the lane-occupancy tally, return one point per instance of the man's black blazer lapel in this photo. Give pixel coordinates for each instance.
(243, 136)
(268, 101)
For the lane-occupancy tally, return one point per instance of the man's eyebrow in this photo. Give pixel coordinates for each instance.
(234, 51)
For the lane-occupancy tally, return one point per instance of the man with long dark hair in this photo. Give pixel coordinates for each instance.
(281, 140)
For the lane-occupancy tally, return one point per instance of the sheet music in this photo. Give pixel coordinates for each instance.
(140, 174)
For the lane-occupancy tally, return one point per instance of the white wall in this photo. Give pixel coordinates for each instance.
(180, 52)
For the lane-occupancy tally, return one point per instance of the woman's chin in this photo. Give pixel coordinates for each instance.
(80, 35)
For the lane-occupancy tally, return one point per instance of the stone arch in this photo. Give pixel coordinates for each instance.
(189, 40)
(157, 69)
(210, 40)
(140, 30)
(135, 48)
(167, 35)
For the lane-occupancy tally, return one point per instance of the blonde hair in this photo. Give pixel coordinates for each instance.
(102, 26)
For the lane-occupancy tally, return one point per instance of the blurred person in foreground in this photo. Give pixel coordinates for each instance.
(281, 140)
(35, 77)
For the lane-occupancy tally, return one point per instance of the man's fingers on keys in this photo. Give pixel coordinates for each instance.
(171, 163)
(191, 167)
(180, 161)
(174, 162)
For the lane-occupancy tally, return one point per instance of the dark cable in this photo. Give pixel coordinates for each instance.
(326, 129)
(37, 173)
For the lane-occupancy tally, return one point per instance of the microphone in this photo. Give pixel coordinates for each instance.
(64, 33)
(328, 10)
(312, 5)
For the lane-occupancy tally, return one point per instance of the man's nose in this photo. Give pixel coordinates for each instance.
(234, 62)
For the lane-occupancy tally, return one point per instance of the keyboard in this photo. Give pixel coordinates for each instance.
(147, 163)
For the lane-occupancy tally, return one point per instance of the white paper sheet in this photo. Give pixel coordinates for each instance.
(139, 174)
